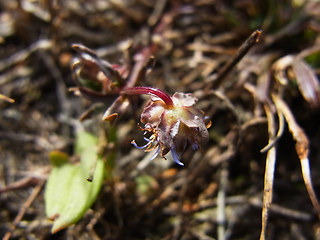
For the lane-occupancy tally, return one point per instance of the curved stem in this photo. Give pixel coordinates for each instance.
(150, 91)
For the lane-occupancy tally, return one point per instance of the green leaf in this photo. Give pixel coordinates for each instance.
(68, 195)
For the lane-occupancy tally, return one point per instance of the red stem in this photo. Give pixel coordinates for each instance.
(149, 91)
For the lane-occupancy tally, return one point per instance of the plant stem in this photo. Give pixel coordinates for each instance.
(150, 91)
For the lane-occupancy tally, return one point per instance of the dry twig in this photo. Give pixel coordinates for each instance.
(23, 209)
(302, 148)
(269, 172)
(242, 51)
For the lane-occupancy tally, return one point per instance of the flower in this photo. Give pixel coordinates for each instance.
(172, 123)
(100, 81)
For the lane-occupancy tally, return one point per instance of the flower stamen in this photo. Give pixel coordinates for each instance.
(156, 153)
(133, 142)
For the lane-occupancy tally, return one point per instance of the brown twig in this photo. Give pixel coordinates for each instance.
(242, 51)
(23, 209)
(23, 183)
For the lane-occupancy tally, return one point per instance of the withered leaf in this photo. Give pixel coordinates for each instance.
(308, 82)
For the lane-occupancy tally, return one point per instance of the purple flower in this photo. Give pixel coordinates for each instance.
(172, 122)
(169, 122)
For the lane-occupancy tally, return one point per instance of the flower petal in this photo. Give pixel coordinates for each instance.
(174, 129)
(196, 135)
(184, 99)
(152, 113)
(176, 157)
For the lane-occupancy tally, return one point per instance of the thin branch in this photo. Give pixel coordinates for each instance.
(23, 183)
(242, 51)
(269, 173)
(23, 209)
